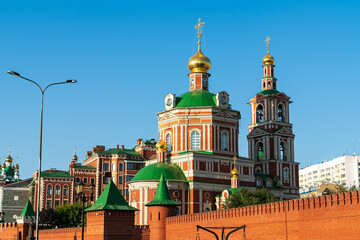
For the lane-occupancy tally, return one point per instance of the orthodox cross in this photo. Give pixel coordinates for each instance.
(198, 26)
(234, 160)
(267, 43)
(9, 149)
(75, 150)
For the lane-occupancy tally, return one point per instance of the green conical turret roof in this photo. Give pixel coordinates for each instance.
(28, 210)
(162, 196)
(111, 199)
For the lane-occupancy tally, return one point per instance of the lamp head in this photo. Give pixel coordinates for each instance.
(71, 81)
(14, 73)
(80, 187)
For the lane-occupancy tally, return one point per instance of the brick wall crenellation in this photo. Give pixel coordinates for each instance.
(272, 208)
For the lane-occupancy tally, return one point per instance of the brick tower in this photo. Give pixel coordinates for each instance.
(159, 209)
(270, 138)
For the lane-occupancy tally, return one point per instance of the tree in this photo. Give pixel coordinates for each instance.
(244, 197)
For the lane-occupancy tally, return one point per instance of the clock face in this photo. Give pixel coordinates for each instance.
(168, 102)
(223, 100)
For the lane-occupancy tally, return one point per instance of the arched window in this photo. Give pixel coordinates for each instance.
(258, 182)
(268, 183)
(269, 84)
(224, 141)
(66, 191)
(168, 141)
(195, 140)
(259, 114)
(280, 114)
(286, 173)
(264, 85)
(260, 150)
(282, 152)
(57, 190)
(49, 190)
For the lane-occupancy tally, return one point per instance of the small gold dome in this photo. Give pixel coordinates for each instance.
(16, 166)
(75, 158)
(161, 146)
(199, 63)
(9, 159)
(4, 165)
(268, 60)
(235, 173)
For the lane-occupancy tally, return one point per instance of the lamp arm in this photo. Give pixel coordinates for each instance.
(31, 81)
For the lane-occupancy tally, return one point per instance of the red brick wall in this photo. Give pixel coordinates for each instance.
(9, 231)
(60, 234)
(327, 217)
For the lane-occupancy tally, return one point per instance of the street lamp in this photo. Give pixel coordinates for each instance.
(2, 216)
(83, 198)
(41, 127)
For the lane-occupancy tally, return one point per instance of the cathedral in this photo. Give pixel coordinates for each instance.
(198, 146)
(197, 152)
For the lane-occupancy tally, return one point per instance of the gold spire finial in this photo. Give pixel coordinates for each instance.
(234, 173)
(199, 34)
(267, 43)
(75, 158)
(9, 149)
(234, 160)
(75, 150)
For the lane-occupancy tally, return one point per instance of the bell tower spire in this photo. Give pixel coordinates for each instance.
(269, 81)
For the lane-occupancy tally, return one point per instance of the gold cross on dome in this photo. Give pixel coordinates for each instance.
(9, 149)
(75, 149)
(267, 42)
(198, 26)
(235, 158)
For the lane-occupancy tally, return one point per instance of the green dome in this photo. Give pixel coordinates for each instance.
(172, 172)
(269, 92)
(196, 98)
(9, 171)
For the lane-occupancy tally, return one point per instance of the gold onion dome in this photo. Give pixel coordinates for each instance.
(161, 146)
(235, 173)
(16, 166)
(9, 159)
(75, 158)
(199, 62)
(4, 165)
(268, 60)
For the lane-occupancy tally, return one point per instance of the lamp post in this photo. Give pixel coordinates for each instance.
(83, 198)
(41, 128)
(2, 216)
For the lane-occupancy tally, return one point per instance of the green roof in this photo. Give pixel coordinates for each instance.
(269, 92)
(117, 151)
(162, 196)
(196, 151)
(196, 98)
(9, 171)
(57, 174)
(171, 171)
(84, 167)
(28, 210)
(111, 199)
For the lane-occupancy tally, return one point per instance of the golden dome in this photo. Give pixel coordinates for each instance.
(16, 166)
(75, 158)
(268, 60)
(199, 63)
(9, 159)
(4, 165)
(161, 146)
(235, 173)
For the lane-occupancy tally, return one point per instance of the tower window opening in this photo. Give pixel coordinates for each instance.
(260, 150)
(280, 114)
(258, 182)
(264, 85)
(168, 141)
(259, 114)
(286, 173)
(282, 152)
(224, 141)
(195, 140)
(269, 84)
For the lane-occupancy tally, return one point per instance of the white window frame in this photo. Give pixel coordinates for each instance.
(225, 144)
(195, 143)
(168, 139)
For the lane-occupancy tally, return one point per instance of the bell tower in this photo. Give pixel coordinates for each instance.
(270, 138)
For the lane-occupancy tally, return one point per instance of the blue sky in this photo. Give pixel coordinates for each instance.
(128, 55)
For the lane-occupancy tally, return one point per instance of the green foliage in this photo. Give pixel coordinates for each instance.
(67, 215)
(244, 197)
(341, 189)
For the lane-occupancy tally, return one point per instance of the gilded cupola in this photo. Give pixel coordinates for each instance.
(161, 146)
(268, 59)
(9, 159)
(199, 63)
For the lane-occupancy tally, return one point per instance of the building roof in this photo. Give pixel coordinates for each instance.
(111, 199)
(162, 196)
(197, 98)
(130, 152)
(56, 174)
(84, 167)
(28, 210)
(269, 92)
(171, 172)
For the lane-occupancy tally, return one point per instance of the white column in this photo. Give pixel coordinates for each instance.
(208, 137)
(200, 200)
(181, 138)
(203, 132)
